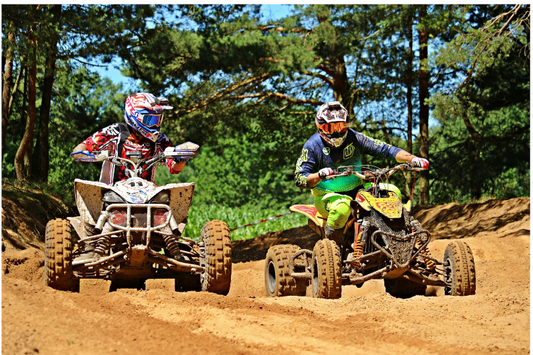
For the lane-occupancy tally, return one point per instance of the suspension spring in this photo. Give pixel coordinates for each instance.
(359, 245)
(172, 245)
(358, 249)
(102, 244)
(430, 264)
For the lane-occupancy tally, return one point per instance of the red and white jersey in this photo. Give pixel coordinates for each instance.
(109, 138)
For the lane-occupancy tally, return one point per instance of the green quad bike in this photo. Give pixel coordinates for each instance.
(381, 240)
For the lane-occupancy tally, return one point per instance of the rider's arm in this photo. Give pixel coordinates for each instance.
(375, 146)
(313, 180)
(173, 166)
(80, 147)
(306, 175)
(99, 139)
(404, 156)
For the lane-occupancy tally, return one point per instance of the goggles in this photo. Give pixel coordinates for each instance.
(330, 128)
(151, 120)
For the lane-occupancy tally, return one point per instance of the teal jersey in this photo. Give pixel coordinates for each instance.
(316, 155)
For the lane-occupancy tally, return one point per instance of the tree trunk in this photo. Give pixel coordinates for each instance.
(8, 80)
(41, 156)
(22, 169)
(342, 89)
(423, 77)
(475, 183)
(409, 76)
(15, 91)
(475, 151)
(409, 83)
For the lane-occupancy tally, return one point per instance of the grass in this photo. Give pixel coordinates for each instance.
(240, 216)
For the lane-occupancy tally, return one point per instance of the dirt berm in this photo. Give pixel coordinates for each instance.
(496, 320)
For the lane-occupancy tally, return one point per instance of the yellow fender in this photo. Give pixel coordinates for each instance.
(390, 206)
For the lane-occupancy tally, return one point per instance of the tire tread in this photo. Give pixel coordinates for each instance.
(217, 242)
(326, 255)
(59, 244)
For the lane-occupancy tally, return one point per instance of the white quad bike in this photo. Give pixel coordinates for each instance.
(133, 230)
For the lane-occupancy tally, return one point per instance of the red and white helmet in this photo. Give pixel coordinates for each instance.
(144, 113)
(332, 123)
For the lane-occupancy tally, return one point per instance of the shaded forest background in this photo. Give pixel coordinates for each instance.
(448, 83)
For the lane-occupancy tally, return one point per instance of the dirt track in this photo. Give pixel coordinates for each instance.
(37, 319)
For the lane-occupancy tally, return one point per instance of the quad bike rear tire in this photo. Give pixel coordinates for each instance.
(278, 281)
(327, 277)
(403, 288)
(216, 258)
(459, 270)
(58, 247)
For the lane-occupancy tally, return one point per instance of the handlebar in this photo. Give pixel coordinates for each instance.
(370, 172)
(184, 151)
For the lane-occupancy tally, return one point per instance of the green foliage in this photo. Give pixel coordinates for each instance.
(503, 154)
(85, 104)
(235, 217)
(237, 173)
(246, 90)
(484, 133)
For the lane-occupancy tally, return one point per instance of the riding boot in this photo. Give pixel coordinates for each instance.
(334, 234)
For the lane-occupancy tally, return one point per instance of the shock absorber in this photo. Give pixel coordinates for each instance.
(172, 245)
(102, 245)
(430, 264)
(359, 244)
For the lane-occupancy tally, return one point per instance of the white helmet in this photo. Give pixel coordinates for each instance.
(332, 123)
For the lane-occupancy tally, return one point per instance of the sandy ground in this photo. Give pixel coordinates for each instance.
(496, 320)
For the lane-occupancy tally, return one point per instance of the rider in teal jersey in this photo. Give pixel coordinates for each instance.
(336, 145)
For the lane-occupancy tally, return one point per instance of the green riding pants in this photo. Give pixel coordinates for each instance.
(334, 207)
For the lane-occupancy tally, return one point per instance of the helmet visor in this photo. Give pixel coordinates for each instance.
(330, 128)
(152, 120)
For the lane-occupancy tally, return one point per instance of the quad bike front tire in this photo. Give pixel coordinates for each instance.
(459, 270)
(327, 277)
(216, 257)
(58, 248)
(278, 281)
(403, 288)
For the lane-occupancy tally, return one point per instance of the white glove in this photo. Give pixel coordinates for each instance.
(420, 162)
(325, 172)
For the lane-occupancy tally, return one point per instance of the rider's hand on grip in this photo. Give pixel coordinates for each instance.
(324, 173)
(420, 162)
